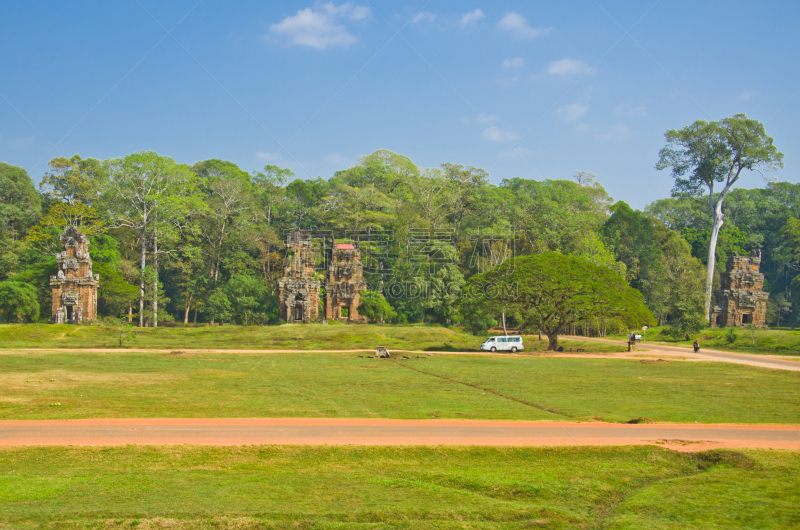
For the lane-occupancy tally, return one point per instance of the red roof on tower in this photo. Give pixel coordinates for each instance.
(344, 246)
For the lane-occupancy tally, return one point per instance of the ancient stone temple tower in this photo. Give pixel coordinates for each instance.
(742, 300)
(74, 287)
(298, 291)
(345, 283)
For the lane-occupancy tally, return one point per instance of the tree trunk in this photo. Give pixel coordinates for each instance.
(155, 282)
(504, 324)
(141, 282)
(186, 313)
(195, 312)
(712, 255)
(552, 339)
(130, 313)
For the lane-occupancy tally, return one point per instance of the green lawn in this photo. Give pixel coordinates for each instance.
(740, 339)
(151, 384)
(181, 487)
(286, 337)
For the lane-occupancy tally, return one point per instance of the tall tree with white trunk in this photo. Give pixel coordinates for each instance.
(705, 154)
(145, 193)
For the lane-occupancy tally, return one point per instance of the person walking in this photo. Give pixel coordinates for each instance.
(696, 346)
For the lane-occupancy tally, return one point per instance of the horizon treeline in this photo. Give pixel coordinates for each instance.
(205, 243)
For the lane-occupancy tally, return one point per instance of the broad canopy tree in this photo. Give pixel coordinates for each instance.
(705, 154)
(551, 291)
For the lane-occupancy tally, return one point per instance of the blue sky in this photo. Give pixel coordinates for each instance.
(522, 89)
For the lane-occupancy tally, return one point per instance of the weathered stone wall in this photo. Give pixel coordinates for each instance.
(741, 299)
(345, 283)
(298, 291)
(74, 287)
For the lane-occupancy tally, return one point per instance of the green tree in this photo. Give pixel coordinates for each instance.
(20, 206)
(777, 307)
(705, 154)
(229, 202)
(73, 180)
(303, 200)
(19, 202)
(149, 194)
(18, 301)
(374, 306)
(552, 291)
(791, 232)
(250, 301)
(678, 289)
(218, 306)
(631, 236)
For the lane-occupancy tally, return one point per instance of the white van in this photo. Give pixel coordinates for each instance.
(512, 343)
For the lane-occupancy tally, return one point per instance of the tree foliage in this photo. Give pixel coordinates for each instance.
(18, 302)
(205, 242)
(551, 291)
(375, 307)
(705, 154)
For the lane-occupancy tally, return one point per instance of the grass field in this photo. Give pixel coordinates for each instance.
(286, 337)
(393, 487)
(151, 384)
(741, 339)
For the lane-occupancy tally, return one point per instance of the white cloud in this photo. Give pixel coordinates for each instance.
(486, 118)
(629, 111)
(571, 112)
(268, 157)
(568, 67)
(471, 17)
(422, 16)
(319, 27)
(516, 62)
(17, 144)
(747, 95)
(518, 26)
(618, 131)
(496, 135)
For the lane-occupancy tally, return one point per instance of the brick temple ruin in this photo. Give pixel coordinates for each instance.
(74, 288)
(299, 289)
(344, 284)
(741, 300)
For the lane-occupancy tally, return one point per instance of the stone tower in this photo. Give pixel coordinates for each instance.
(298, 291)
(74, 288)
(742, 300)
(345, 283)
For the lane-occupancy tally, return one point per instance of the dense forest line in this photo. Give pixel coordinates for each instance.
(205, 243)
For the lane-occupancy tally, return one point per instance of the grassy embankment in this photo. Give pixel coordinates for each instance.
(741, 339)
(182, 487)
(195, 384)
(286, 337)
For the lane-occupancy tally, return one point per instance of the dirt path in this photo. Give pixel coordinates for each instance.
(763, 361)
(645, 352)
(320, 431)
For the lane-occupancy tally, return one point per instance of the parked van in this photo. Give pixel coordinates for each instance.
(512, 343)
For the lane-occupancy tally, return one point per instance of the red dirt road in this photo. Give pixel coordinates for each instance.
(319, 431)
